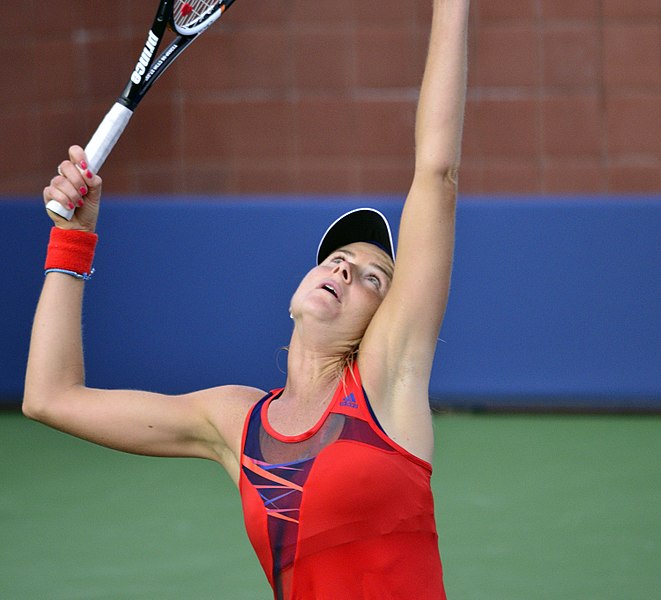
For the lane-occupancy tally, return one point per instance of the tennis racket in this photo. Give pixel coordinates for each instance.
(188, 19)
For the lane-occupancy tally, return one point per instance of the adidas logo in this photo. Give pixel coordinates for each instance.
(349, 401)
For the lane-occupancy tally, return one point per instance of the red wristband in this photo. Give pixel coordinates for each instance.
(72, 251)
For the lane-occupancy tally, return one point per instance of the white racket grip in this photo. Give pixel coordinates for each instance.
(98, 148)
(106, 135)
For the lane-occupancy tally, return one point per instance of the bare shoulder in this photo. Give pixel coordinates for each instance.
(230, 396)
(226, 408)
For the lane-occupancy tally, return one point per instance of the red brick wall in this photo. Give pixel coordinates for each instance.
(313, 96)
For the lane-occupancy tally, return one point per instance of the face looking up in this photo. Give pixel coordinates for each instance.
(347, 287)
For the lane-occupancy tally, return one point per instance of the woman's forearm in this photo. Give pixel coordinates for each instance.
(440, 115)
(55, 361)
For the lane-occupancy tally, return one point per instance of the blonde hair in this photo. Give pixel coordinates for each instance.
(348, 362)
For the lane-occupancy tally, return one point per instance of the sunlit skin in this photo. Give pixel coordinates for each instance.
(354, 316)
(346, 303)
(341, 295)
(332, 308)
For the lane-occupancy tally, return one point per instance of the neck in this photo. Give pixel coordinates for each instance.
(313, 368)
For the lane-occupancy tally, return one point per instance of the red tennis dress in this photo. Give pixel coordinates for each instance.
(340, 512)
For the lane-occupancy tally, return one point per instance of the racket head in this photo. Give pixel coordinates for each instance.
(190, 17)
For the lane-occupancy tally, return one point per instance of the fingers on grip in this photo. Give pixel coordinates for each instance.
(55, 207)
(67, 190)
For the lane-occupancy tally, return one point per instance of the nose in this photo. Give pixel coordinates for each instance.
(344, 270)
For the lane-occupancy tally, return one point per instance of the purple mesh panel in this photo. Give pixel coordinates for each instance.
(285, 468)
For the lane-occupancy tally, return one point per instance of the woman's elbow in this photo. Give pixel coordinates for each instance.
(39, 405)
(441, 179)
(32, 407)
(443, 169)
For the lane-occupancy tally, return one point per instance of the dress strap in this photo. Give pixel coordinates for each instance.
(350, 397)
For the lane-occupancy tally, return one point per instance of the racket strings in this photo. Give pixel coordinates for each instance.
(189, 13)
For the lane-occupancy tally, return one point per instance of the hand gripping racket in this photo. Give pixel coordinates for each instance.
(188, 20)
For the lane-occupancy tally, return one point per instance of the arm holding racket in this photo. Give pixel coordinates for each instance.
(207, 423)
(204, 424)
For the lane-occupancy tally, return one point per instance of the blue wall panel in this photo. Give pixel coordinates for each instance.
(554, 303)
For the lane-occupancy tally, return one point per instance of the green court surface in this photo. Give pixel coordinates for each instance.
(529, 508)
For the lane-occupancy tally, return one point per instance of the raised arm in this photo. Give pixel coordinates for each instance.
(205, 424)
(399, 345)
(440, 115)
(411, 314)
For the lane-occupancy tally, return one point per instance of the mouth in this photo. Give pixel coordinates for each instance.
(331, 290)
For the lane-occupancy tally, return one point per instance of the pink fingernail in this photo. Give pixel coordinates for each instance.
(71, 206)
(80, 203)
(88, 174)
(83, 190)
(83, 165)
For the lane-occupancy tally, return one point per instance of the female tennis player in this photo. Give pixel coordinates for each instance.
(334, 469)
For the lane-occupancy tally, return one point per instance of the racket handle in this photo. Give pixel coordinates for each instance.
(98, 148)
(106, 135)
